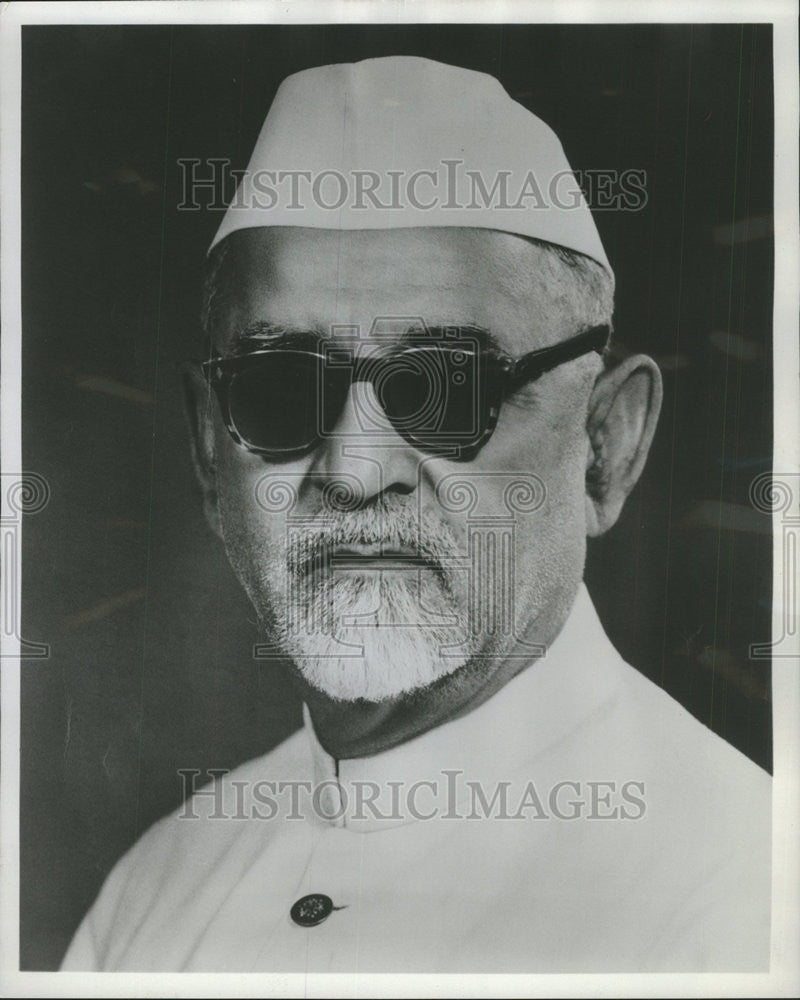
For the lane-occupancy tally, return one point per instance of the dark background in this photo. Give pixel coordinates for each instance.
(151, 664)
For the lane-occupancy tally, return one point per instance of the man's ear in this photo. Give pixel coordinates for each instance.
(198, 405)
(622, 417)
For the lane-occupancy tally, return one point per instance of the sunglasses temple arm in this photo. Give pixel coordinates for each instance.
(539, 362)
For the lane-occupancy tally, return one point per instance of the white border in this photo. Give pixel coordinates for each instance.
(784, 978)
(11, 459)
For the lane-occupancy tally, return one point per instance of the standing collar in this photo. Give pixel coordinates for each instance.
(546, 701)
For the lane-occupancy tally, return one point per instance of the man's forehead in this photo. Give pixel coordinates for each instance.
(364, 261)
(295, 278)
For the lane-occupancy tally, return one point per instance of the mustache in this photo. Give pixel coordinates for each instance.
(390, 523)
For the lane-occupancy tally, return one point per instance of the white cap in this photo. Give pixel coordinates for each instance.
(403, 141)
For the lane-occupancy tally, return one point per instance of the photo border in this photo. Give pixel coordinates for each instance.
(783, 979)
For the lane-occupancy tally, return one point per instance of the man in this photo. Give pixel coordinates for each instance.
(405, 429)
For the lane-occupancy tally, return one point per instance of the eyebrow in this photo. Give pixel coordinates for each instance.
(279, 334)
(263, 330)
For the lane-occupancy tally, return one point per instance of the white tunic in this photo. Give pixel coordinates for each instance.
(579, 821)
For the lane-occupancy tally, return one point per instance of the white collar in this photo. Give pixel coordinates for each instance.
(546, 701)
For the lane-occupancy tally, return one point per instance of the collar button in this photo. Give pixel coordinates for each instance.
(311, 910)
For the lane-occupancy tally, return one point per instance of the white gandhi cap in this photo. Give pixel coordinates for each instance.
(403, 141)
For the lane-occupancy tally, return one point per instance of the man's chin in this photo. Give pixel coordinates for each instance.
(374, 664)
(374, 638)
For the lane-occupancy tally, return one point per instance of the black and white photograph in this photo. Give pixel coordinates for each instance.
(400, 490)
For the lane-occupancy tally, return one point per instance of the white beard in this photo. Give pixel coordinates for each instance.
(370, 637)
(378, 634)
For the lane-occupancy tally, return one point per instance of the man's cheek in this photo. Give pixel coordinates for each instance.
(252, 537)
(546, 443)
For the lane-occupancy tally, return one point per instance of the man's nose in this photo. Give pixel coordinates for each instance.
(364, 445)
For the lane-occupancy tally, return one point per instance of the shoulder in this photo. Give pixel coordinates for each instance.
(707, 829)
(681, 753)
(187, 848)
(196, 823)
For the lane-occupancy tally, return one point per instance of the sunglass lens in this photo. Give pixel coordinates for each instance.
(434, 397)
(273, 402)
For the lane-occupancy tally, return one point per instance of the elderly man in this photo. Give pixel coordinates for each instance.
(405, 429)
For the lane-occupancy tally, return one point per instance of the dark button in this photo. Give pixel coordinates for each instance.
(311, 910)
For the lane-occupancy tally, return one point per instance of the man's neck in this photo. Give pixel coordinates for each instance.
(348, 729)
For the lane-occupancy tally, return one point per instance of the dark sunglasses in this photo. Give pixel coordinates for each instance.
(443, 396)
